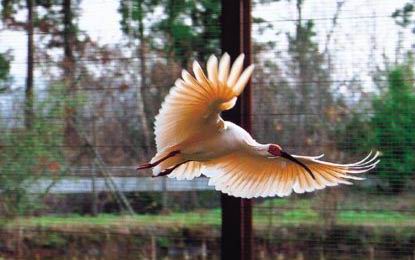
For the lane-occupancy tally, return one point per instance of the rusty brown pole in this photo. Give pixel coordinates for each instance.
(236, 212)
(28, 110)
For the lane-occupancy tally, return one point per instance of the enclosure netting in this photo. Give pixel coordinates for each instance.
(332, 77)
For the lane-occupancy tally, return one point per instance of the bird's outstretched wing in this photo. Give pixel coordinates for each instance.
(193, 105)
(248, 176)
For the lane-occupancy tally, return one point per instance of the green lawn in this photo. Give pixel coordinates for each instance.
(262, 218)
(354, 209)
(207, 217)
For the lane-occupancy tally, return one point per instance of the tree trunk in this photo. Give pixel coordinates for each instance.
(142, 49)
(143, 101)
(301, 66)
(29, 113)
(68, 41)
(71, 137)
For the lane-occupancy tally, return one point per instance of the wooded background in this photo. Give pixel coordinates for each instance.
(332, 77)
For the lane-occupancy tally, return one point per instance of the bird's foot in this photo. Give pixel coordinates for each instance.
(169, 170)
(165, 172)
(151, 165)
(145, 166)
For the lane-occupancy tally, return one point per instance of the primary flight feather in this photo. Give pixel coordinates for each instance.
(192, 139)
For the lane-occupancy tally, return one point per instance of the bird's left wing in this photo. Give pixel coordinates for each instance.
(244, 175)
(192, 107)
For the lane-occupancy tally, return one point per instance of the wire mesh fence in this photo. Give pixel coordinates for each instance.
(332, 77)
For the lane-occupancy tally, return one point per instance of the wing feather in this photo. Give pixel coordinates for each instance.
(224, 65)
(237, 174)
(193, 106)
(268, 185)
(235, 70)
(262, 182)
(212, 69)
(187, 171)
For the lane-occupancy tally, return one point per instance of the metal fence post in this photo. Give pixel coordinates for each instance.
(236, 212)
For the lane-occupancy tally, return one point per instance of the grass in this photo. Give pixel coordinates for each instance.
(353, 209)
(262, 218)
(381, 218)
(209, 217)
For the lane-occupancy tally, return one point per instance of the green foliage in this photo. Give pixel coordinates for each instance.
(133, 13)
(27, 155)
(353, 135)
(308, 61)
(8, 8)
(193, 28)
(403, 17)
(4, 67)
(47, 19)
(212, 218)
(308, 84)
(187, 28)
(302, 41)
(389, 128)
(392, 125)
(4, 72)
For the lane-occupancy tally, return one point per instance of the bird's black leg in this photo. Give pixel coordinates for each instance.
(151, 165)
(170, 170)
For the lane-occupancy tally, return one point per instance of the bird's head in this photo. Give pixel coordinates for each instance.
(276, 151)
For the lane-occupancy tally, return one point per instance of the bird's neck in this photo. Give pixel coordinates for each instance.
(260, 149)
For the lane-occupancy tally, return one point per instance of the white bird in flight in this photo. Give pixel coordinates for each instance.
(192, 139)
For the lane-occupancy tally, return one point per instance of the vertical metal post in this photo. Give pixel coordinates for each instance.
(29, 113)
(236, 212)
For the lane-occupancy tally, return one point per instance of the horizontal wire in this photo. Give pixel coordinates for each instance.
(254, 24)
(105, 61)
(110, 114)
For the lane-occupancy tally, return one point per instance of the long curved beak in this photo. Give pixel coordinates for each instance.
(293, 159)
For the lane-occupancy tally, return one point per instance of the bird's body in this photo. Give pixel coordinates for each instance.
(220, 143)
(192, 139)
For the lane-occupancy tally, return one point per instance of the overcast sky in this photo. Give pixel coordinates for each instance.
(360, 22)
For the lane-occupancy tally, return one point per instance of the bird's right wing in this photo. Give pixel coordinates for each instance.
(192, 107)
(241, 174)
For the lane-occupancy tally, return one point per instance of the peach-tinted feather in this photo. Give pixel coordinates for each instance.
(190, 127)
(245, 175)
(191, 109)
(193, 105)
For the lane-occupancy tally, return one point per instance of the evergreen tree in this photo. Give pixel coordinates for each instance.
(392, 125)
(4, 72)
(403, 16)
(309, 80)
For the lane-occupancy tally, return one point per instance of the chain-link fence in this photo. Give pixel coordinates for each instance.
(332, 77)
